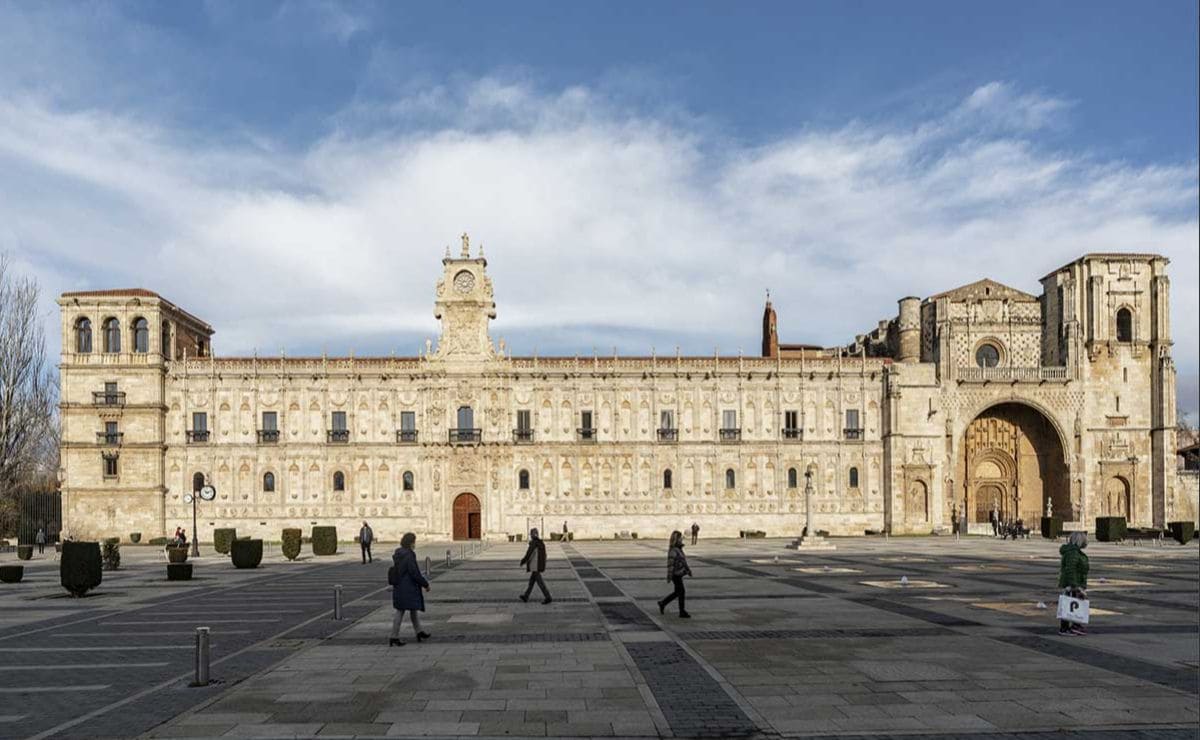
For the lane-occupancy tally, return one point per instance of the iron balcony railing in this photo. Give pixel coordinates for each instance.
(268, 436)
(337, 436)
(108, 398)
(852, 433)
(109, 438)
(730, 435)
(406, 436)
(668, 435)
(197, 436)
(523, 436)
(586, 434)
(466, 436)
(793, 434)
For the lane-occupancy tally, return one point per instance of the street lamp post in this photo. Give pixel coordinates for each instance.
(208, 493)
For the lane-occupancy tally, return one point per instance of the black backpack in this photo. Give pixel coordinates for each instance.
(393, 575)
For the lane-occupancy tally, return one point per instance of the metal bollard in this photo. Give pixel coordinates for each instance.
(203, 654)
(428, 566)
(337, 602)
(447, 557)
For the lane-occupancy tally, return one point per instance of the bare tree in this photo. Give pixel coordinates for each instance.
(28, 438)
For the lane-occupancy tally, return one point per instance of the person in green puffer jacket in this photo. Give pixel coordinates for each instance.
(1072, 577)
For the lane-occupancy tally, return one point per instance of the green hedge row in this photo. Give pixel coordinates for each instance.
(1183, 532)
(290, 543)
(324, 540)
(1110, 528)
(221, 539)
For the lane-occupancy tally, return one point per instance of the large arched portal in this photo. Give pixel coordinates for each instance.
(1012, 460)
(467, 520)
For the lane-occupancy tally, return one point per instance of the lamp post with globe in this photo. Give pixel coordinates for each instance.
(207, 492)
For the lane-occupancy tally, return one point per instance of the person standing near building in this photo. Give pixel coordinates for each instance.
(365, 537)
(695, 532)
(677, 568)
(407, 583)
(1072, 577)
(40, 539)
(535, 564)
(994, 519)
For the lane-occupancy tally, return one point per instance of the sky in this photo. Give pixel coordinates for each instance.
(639, 173)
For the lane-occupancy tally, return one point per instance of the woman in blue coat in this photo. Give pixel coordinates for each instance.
(407, 583)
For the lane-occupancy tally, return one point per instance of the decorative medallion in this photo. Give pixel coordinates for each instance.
(464, 282)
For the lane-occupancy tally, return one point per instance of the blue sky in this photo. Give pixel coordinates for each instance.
(640, 172)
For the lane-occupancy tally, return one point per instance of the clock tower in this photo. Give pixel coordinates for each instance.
(465, 306)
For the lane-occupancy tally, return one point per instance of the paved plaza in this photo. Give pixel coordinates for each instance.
(780, 643)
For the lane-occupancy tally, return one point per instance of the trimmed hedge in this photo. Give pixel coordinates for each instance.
(177, 554)
(1110, 528)
(290, 543)
(324, 540)
(80, 570)
(179, 571)
(160, 541)
(1051, 527)
(111, 541)
(1183, 532)
(110, 554)
(135, 537)
(246, 553)
(25, 552)
(221, 539)
(11, 573)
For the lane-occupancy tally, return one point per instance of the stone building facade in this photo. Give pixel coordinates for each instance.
(979, 397)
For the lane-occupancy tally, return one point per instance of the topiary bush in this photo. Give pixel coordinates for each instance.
(136, 537)
(1051, 527)
(25, 552)
(1110, 528)
(11, 573)
(222, 538)
(179, 571)
(110, 555)
(246, 553)
(177, 554)
(1182, 532)
(290, 544)
(111, 541)
(160, 541)
(324, 540)
(80, 568)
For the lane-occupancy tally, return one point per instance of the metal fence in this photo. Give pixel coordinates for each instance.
(40, 511)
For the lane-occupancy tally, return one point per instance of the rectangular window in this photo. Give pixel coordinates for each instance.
(852, 419)
(110, 466)
(339, 421)
(199, 421)
(729, 419)
(585, 419)
(110, 389)
(523, 421)
(466, 418)
(110, 428)
(666, 419)
(791, 424)
(408, 421)
(270, 421)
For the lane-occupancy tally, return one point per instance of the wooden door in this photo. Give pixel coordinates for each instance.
(466, 516)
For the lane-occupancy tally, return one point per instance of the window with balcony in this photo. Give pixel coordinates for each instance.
(853, 429)
(83, 335)
(524, 430)
(268, 482)
(586, 431)
(338, 432)
(110, 396)
(339, 481)
(667, 432)
(408, 428)
(523, 480)
(110, 464)
(141, 336)
(199, 430)
(269, 433)
(791, 425)
(729, 431)
(406, 480)
(111, 434)
(112, 336)
(465, 432)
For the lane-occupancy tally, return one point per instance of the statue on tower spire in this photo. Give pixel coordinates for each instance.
(466, 246)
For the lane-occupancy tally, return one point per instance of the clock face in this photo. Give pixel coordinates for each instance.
(208, 493)
(464, 282)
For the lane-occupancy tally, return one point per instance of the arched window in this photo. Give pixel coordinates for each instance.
(730, 478)
(197, 482)
(165, 340)
(854, 477)
(523, 480)
(987, 355)
(667, 478)
(268, 482)
(141, 336)
(339, 481)
(793, 478)
(1124, 325)
(83, 335)
(406, 480)
(112, 335)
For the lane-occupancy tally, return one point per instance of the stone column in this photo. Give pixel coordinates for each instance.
(810, 540)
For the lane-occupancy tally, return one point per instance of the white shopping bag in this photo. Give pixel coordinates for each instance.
(1072, 609)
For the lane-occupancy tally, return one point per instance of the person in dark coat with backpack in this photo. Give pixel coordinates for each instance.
(407, 584)
(677, 568)
(535, 563)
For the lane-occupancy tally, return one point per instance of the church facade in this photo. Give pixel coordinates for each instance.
(979, 398)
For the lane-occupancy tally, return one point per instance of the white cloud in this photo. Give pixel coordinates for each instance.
(597, 220)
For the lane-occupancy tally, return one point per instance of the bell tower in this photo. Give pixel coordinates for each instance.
(464, 305)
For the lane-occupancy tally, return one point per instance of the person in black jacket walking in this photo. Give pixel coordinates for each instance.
(535, 563)
(407, 583)
(677, 568)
